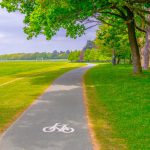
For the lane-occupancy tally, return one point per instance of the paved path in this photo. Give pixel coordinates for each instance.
(62, 103)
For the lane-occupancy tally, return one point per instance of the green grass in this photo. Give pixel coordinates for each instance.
(34, 78)
(119, 106)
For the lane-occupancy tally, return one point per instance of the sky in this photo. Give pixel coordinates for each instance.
(13, 39)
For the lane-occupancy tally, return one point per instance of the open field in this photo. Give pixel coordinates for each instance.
(22, 82)
(118, 104)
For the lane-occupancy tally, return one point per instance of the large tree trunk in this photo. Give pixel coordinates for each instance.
(133, 43)
(146, 50)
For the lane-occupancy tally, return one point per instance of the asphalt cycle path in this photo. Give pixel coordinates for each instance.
(56, 121)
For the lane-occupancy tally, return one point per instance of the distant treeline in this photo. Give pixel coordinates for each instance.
(36, 56)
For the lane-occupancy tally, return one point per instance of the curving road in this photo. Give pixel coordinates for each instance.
(56, 121)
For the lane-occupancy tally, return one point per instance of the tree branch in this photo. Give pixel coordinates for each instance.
(89, 21)
(91, 26)
(121, 13)
(102, 20)
(117, 15)
(140, 29)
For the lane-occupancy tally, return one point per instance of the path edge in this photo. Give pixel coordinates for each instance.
(95, 144)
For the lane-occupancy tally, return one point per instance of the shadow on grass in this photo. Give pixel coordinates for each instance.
(43, 78)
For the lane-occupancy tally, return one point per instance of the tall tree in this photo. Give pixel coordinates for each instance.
(146, 49)
(48, 16)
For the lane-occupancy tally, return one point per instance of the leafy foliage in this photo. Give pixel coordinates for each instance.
(114, 39)
(95, 55)
(74, 56)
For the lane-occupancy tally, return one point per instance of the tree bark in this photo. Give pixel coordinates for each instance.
(146, 53)
(114, 58)
(137, 69)
(146, 50)
(130, 59)
(118, 60)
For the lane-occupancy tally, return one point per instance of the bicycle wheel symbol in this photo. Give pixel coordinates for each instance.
(58, 127)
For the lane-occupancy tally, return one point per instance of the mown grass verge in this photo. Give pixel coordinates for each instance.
(118, 105)
(33, 79)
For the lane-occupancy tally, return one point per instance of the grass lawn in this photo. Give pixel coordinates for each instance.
(119, 106)
(22, 82)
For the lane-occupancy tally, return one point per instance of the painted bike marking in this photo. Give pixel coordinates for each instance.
(58, 127)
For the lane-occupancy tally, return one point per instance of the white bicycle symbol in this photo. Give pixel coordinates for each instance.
(59, 128)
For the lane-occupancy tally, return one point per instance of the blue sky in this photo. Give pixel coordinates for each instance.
(13, 39)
